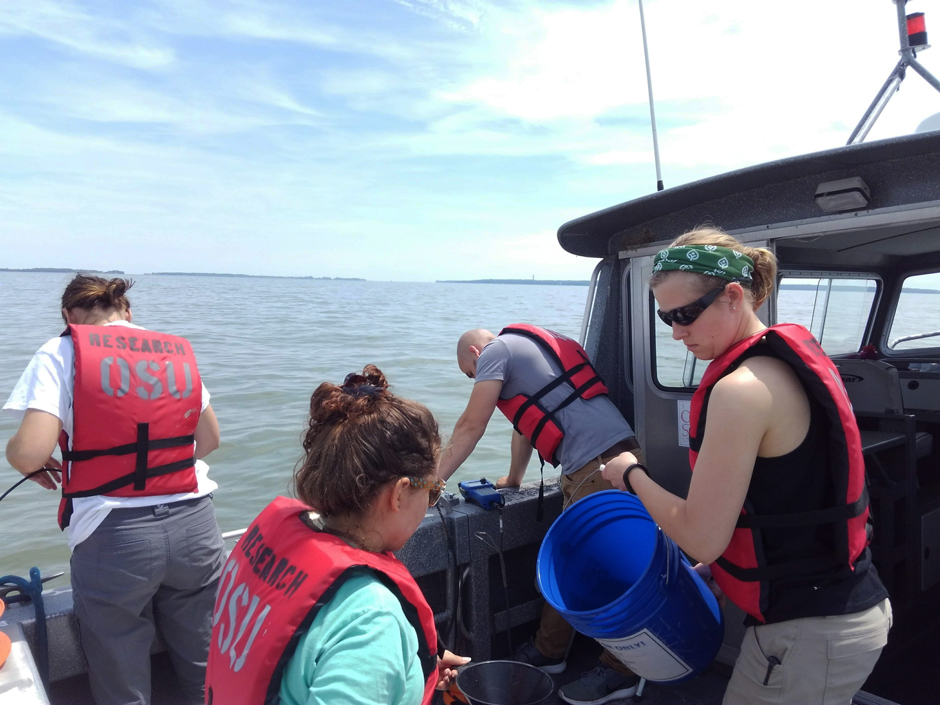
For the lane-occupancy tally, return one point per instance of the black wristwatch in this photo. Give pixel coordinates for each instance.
(626, 475)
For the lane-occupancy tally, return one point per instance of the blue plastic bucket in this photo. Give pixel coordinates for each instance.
(615, 576)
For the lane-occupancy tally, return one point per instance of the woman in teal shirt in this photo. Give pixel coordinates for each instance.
(370, 471)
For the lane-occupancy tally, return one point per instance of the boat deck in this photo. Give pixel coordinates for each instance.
(706, 689)
(899, 674)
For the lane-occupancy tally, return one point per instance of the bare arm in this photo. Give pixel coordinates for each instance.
(739, 414)
(207, 433)
(470, 426)
(519, 461)
(32, 445)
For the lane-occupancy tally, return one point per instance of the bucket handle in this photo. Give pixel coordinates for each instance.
(674, 559)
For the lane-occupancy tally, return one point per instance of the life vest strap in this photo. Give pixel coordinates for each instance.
(830, 515)
(143, 451)
(130, 478)
(804, 566)
(76, 456)
(551, 386)
(550, 415)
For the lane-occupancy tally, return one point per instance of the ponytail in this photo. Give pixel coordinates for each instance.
(88, 292)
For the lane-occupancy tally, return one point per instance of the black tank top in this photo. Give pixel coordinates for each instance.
(796, 482)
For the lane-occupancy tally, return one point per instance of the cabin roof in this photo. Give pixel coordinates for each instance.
(899, 171)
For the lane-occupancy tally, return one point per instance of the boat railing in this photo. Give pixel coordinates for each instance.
(454, 556)
(918, 336)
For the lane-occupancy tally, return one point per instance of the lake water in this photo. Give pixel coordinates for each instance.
(263, 345)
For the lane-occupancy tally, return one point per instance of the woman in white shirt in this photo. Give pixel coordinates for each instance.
(147, 551)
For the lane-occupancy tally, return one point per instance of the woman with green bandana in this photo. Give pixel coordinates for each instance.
(777, 508)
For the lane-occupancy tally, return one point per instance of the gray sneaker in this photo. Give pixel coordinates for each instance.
(601, 685)
(527, 653)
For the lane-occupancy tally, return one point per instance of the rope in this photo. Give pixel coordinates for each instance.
(32, 590)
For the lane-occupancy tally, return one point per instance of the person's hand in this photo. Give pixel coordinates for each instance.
(504, 482)
(613, 469)
(705, 572)
(49, 479)
(446, 668)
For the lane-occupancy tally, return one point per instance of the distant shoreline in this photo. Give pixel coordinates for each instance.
(253, 276)
(543, 282)
(536, 282)
(850, 287)
(60, 270)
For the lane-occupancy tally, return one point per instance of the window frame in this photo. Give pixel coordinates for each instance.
(774, 309)
(654, 360)
(884, 347)
(837, 274)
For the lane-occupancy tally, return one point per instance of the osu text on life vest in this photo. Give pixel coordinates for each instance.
(136, 404)
(281, 572)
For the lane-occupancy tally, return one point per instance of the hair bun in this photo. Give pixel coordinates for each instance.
(358, 395)
(115, 290)
(375, 376)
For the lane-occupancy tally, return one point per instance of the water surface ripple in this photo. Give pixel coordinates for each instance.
(263, 345)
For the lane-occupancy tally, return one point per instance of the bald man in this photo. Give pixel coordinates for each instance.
(546, 386)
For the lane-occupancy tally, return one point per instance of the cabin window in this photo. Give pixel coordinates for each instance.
(837, 310)
(675, 366)
(916, 323)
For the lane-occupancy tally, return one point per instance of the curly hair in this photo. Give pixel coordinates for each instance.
(359, 437)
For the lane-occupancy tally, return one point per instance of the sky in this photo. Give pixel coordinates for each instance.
(404, 139)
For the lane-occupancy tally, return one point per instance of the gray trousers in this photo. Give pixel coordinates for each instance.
(142, 570)
(816, 660)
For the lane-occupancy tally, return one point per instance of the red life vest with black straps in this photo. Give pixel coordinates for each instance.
(277, 578)
(135, 405)
(742, 571)
(527, 414)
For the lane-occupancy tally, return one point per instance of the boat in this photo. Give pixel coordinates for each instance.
(864, 263)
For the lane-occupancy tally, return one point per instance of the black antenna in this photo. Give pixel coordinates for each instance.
(649, 84)
(912, 31)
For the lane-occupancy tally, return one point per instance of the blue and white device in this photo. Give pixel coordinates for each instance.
(481, 492)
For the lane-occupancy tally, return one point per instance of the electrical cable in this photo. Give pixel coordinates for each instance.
(487, 539)
(451, 556)
(573, 494)
(25, 478)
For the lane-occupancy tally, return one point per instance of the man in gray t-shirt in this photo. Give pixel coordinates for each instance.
(504, 367)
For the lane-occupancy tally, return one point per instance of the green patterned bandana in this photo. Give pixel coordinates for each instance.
(712, 260)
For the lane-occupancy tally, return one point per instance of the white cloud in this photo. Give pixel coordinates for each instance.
(452, 137)
(460, 15)
(67, 25)
(768, 82)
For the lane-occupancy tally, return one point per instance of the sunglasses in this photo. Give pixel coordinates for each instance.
(435, 487)
(687, 315)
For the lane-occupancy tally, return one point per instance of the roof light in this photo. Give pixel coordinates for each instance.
(850, 194)
(917, 31)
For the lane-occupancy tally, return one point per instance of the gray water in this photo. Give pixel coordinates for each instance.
(263, 345)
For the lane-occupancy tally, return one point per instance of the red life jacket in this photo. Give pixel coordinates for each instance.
(135, 406)
(528, 416)
(272, 586)
(742, 571)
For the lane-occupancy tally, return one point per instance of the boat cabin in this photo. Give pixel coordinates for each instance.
(856, 232)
